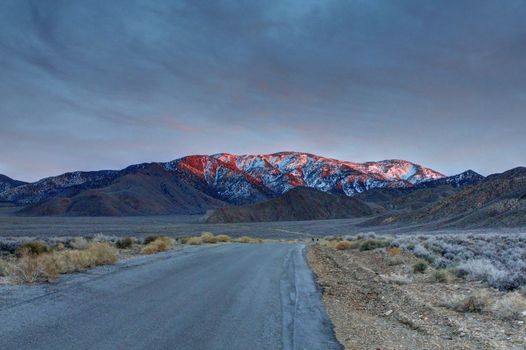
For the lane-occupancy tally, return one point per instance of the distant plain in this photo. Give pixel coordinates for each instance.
(191, 225)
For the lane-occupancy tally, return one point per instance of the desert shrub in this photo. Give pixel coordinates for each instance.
(5, 268)
(397, 278)
(207, 237)
(394, 260)
(149, 239)
(33, 248)
(194, 241)
(511, 307)
(26, 270)
(161, 244)
(420, 267)
(483, 270)
(372, 244)
(499, 260)
(245, 239)
(223, 238)
(343, 245)
(422, 252)
(477, 301)
(79, 243)
(440, 276)
(393, 251)
(102, 254)
(47, 267)
(124, 243)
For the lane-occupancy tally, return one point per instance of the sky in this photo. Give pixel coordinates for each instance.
(97, 84)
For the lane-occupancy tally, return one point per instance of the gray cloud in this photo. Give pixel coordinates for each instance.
(103, 84)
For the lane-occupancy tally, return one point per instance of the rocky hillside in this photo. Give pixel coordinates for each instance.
(420, 195)
(300, 203)
(7, 183)
(148, 190)
(498, 200)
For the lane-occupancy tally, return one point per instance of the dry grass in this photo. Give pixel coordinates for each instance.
(207, 237)
(160, 244)
(478, 301)
(194, 241)
(510, 307)
(223, 238)
(343, 245)
(47, 267)
(394, 251)
(247, 239)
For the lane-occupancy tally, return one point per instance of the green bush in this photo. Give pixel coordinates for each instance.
(420, 267)
(440, 276)
(124, 243)
(372, 244)
(33, 248)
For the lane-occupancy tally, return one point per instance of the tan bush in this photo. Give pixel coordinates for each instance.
(194, 241)
(161, 244)
(34, 268)
(394, 251)
(102, 254)
(343, 245)
(207, 237)
(510, 307)
(223, 238)
(477, 301)
(47, 267)
(245, 239)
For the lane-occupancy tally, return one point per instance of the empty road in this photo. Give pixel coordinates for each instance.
(234, 296)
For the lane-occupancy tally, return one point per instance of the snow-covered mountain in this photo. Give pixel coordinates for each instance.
(235, 178)
(244, 178)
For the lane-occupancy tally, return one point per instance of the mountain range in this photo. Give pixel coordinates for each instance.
(279, 186)
(196, 183)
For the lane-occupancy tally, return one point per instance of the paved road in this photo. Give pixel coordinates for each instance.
(235, 296)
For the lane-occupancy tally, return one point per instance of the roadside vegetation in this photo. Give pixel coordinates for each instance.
(467, 288)
(31, 261)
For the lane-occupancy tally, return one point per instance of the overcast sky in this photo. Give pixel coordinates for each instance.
(87, 85)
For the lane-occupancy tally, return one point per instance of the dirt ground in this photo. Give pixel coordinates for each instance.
(371, 311)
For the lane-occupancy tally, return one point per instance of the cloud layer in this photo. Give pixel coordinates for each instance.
(103, 84)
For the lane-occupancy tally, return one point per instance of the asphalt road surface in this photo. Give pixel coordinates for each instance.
(235, 296)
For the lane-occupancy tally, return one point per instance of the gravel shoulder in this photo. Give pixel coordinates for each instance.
(369, 311)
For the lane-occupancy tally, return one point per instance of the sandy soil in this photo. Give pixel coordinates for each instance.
(372, 312)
